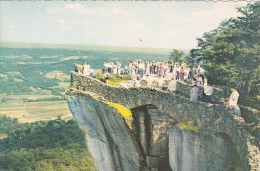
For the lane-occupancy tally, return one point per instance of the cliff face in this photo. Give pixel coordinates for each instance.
(165, 131)
(203, 151)
(108, 138)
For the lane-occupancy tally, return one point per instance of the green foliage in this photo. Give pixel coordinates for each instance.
(44, 146)
(113, 77)
(232, 51)
(8, 124)
(177, 55)
(116, 80)
(119, 78)
(100, 77)
(143, 83)
(194, 57)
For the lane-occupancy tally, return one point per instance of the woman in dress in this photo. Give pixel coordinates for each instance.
(181, 74)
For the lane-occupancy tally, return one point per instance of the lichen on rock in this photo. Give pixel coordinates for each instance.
(125, 112)
(183, 126)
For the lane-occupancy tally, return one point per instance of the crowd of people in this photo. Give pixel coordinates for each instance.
(159, 71)
(179, 71)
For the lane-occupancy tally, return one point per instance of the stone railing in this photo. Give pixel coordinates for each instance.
(220, 93)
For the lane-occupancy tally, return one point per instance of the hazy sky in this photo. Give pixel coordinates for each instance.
(161, 24)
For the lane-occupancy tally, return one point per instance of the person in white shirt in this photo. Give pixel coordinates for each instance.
(86, 69)
(118, 67)
(105, 66)
(232, 104)
(208, 91)
(172, 87)
(147, 69)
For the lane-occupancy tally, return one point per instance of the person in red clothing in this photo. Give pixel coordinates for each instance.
(181, 74)
(161, 71)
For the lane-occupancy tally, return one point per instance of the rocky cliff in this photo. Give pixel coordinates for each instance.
(163, 131)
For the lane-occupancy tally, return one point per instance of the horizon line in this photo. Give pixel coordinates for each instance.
(79, 45)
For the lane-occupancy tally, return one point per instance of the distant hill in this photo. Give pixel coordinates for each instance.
(83, 47)
(38, 68)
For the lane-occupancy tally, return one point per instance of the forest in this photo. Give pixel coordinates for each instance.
(56, 145)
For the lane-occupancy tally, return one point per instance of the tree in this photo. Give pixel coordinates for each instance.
(176, 55)
(231, 52)
(44, 146)
(194, 57)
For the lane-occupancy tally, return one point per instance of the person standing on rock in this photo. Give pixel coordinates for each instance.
(159, 70)
(86, 69)
(147, 69)
(194, 93)
(178, 71)
(79, 69)
(141, 67)
(181, 74)
(136, 81)
(208, 91)
(172, 87)
(118, 67)
(232, 104)
(199, 84)
(76, 69)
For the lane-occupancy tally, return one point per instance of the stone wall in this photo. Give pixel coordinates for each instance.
(217, 125)
(176, 105)
(220, 93)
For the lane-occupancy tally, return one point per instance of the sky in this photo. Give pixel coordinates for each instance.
(159, 24)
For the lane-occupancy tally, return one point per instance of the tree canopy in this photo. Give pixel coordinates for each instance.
(56, 145)
(177, 55)
(231, 53)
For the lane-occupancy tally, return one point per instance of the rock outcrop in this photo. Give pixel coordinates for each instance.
(109, 140)
(165, 132)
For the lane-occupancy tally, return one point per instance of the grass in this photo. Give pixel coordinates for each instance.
(114, 80)
(115, 84)
(35, 111)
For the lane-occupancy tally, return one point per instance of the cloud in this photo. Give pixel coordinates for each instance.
(91, 34)
(169, 15)
(83, 10)
(173, 25)
(219, 12)
(65, 27)
(136, 25)
(118, 11)
(55, 10)
(79, 8)
(75, 8)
